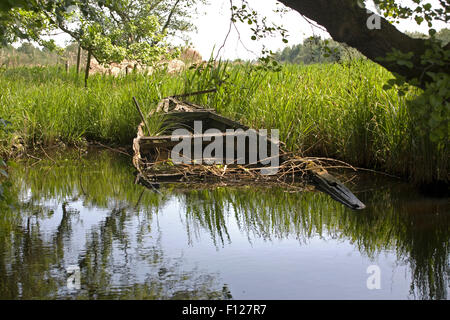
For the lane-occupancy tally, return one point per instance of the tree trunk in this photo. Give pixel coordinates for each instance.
(88, 66)
(346, 22)
(78, 59)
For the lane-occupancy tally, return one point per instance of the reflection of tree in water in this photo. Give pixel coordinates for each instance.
(31, 266)
(27, 262)
(105, 276)
(428, 247)
(417, 230)
(32, 261)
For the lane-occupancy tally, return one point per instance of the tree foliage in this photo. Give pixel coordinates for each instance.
(112, 30)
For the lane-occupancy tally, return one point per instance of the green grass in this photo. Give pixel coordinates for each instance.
(46, 106)
(333, 110)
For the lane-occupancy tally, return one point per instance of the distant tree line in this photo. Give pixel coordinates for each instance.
(29, 55)
(317, 50)
(312, 50)
(443, 35)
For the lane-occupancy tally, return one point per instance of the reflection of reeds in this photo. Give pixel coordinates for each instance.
(106, 182)
(103, 182)
(418, 235)
(165, 279)
(384, 226)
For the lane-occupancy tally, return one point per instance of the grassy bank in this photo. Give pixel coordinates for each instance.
(331, 110)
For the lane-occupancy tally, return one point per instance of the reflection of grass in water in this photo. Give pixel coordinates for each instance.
(37, 258)
(38, 267)
(99, 179)
(420, 239)
(386, 226)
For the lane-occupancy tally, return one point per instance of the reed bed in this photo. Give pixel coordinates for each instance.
(335, 110)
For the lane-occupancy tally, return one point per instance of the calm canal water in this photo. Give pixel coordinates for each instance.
(86, 214)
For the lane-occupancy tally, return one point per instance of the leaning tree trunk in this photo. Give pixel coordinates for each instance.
(88, 66)
(346, 22)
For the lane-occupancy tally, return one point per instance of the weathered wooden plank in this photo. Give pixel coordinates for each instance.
(231, 123)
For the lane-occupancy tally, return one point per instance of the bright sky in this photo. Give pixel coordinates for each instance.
(213, 27)
(213, 23)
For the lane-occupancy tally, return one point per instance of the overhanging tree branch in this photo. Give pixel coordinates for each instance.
(346, 22)
(169, 18)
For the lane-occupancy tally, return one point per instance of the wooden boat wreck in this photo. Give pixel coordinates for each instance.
(176, 120)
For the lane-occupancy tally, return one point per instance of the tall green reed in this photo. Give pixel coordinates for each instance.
(333, 110)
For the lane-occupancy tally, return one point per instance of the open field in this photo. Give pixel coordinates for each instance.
(333, 110)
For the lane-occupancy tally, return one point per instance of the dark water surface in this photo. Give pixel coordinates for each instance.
(246, 243)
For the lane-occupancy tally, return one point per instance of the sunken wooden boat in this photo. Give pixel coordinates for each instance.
(175, 120)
